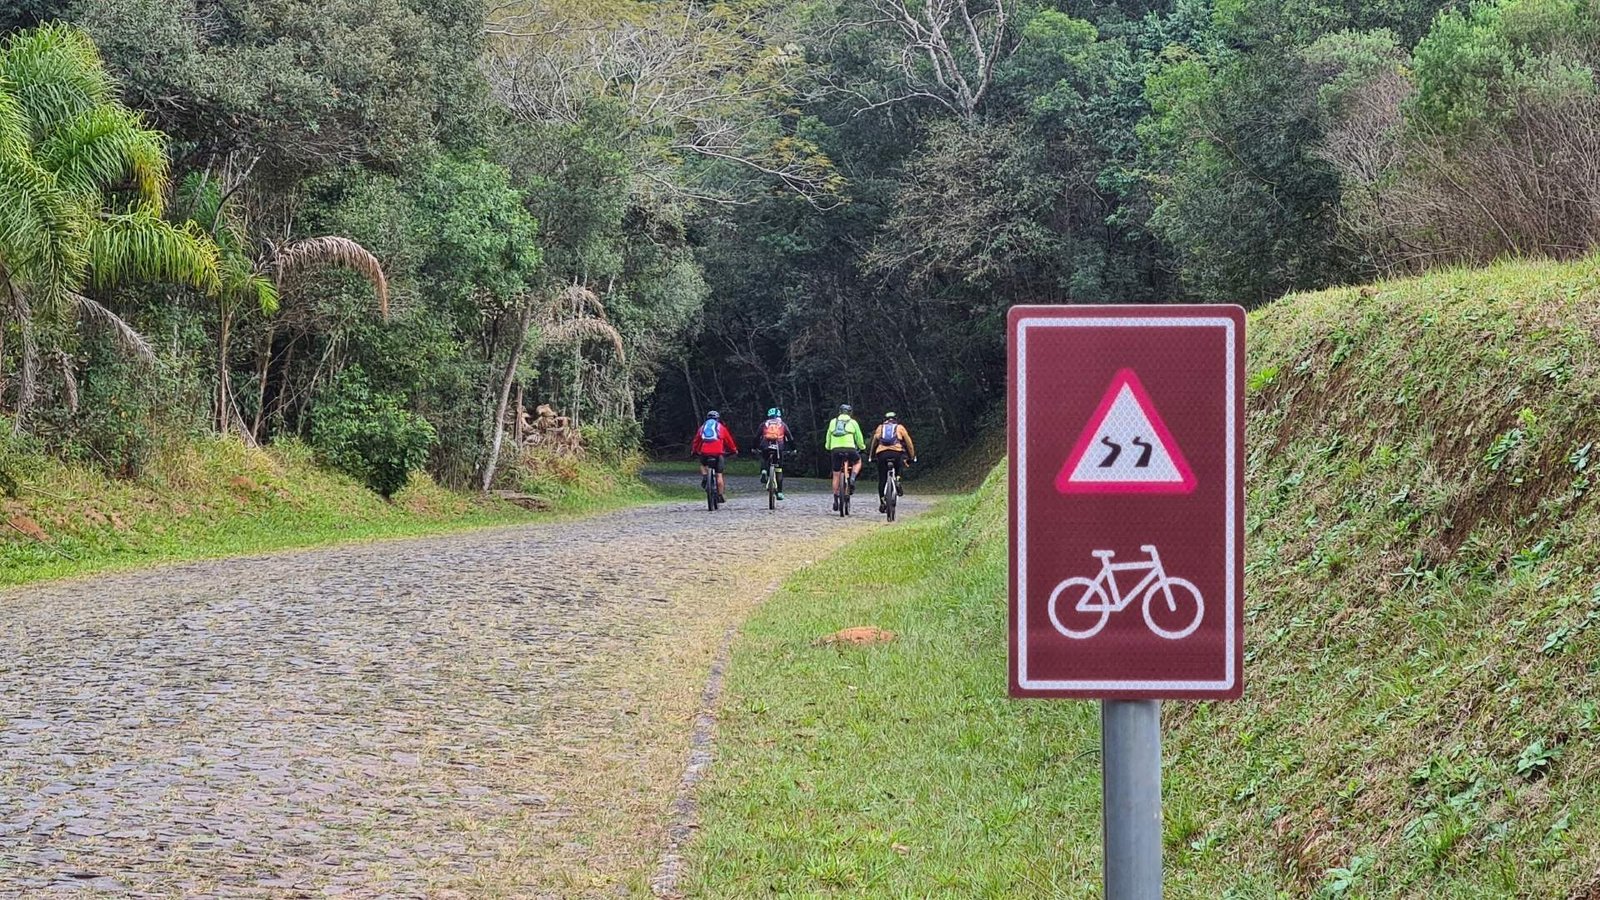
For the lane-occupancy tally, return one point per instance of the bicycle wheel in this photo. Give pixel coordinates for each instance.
(1086, 616)
(889, 498)
(1175, 607)
(844, 501)
(711, 492)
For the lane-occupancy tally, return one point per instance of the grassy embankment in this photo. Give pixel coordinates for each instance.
(1421, 716)
(218, 498)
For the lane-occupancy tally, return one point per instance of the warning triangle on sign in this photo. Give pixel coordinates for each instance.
(1126, 448)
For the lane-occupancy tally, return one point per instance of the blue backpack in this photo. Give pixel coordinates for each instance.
(710, 430)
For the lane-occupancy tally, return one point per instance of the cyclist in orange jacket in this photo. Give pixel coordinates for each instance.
(892, 448)
(772, 439)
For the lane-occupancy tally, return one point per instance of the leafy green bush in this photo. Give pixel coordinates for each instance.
(612, 442)
(19, 458)
(368, 435)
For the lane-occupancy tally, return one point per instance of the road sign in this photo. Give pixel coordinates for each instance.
(1127, 501)
(1126, 447)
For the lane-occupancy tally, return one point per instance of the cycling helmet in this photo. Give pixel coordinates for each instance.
(845, 407)
(774, 412)
(888, 415)
(713, 415)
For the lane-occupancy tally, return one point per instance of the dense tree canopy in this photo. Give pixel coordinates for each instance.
(636, 210)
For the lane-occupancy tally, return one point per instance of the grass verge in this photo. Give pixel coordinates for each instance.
(900, 769)
(219, 498)
(1423, 641)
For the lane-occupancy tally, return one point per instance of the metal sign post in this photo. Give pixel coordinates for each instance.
(1127, 535)
(1130, 747)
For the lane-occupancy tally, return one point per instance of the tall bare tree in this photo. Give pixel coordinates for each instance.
(693, 80)
(943, 51)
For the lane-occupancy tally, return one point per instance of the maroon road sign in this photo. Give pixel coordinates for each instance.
(1127, 501)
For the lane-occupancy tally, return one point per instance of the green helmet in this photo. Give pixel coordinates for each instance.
(774, 412)
(888, 415)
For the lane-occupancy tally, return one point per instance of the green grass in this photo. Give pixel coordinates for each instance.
(1423, 641)
(897, 770)
(739, 465)
(218, 498)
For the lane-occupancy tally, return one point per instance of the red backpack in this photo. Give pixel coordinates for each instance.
(772, 430)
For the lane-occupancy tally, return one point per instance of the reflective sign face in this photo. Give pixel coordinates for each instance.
(1127, 501)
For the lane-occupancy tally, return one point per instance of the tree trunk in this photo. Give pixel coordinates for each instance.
(520, 407)
(27, 380)
(499, 428)
(261, 388)
(223, 394)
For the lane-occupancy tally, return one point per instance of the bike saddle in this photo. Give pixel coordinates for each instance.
(1103, 554)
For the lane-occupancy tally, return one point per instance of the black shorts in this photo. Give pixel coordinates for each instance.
(771, 456)
(896, 458)
(714, 463)
(843, 457)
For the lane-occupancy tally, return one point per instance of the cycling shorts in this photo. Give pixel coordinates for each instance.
(714, 463)
(845, 456)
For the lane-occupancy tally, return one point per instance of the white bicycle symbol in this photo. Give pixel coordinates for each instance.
(1091, 594)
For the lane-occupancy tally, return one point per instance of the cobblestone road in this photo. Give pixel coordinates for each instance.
(374, 721)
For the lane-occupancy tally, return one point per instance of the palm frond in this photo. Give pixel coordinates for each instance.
(141, 246)
(41, 232)
(14, 138)
(581, 328)
(56, 75)
(100, 148)
(124, 334)
(241, 279)
(332, 250)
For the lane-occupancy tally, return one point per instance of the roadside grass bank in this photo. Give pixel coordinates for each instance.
(216, 498)
(899, 769)
(1423, 595)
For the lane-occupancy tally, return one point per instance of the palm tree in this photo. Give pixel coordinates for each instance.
(82, 184)
(256, 278)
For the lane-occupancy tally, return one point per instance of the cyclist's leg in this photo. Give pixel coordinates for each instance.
(839, 465)
(774, 462)
(885, 462)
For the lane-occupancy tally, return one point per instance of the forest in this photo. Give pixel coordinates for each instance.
(379, 226)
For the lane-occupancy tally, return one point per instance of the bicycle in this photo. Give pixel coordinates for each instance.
(713, 495)
(1156, 582)
(891, 490)
(773, 471)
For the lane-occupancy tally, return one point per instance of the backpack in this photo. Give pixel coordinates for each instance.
(710, 430)
(773, 430)
(890, 434)
(841, 426)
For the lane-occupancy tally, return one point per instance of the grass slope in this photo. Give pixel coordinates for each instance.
(218, 498)
(1420, 717)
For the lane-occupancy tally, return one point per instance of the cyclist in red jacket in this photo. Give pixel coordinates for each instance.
(712, 444)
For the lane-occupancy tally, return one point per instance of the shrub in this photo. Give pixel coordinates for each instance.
(368, 435)
(612, 442)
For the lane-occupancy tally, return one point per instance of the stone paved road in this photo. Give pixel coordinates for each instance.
(385, 720)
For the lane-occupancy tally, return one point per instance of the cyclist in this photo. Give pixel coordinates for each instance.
(844, 443)
(712, 443)
(892, 448)
(772, 439)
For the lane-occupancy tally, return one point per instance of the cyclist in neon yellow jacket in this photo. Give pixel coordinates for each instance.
(844, 443)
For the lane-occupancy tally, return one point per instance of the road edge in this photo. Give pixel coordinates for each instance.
(685, 810)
